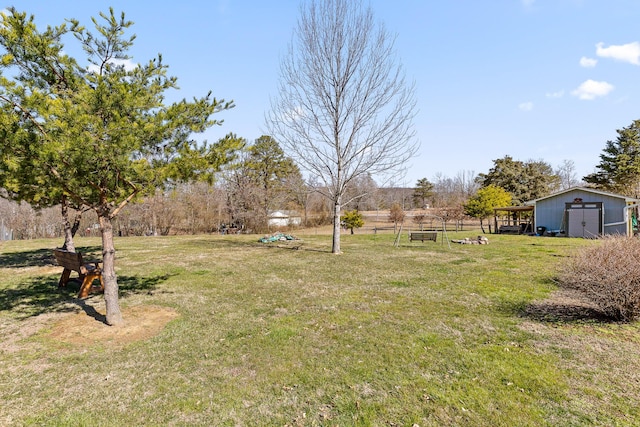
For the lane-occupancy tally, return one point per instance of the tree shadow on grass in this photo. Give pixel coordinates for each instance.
(42, 257)
(40, 295)
(90, 311)
(564, 306)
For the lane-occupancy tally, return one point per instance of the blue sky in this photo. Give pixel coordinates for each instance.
(533, 79)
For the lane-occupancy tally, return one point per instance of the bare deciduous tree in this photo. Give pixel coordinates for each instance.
(344, 108)
(396, 215)
(362, 192)
(567, 173)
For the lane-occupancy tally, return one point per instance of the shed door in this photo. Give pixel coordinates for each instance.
(584, 219)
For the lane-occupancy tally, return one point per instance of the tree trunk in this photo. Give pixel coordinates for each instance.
(68, 233)
(76, 224)
(69, 230)
(335, 249)
(154, 224)
(114, 315)
(482, 227)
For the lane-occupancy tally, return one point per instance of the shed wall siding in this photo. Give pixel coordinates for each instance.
(550, 212)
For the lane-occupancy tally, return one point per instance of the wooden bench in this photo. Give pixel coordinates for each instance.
(87, 271)
(423, 235)
(509, 229)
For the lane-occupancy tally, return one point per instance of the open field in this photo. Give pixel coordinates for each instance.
(225, 331)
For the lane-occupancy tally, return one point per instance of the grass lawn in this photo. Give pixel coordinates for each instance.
(420, 334)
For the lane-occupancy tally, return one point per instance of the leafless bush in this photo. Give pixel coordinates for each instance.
(608, 274)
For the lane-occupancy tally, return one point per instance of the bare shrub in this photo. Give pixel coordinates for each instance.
(608, 274)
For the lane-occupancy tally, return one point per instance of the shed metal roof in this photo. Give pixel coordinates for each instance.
(586, 189)
(514, 208)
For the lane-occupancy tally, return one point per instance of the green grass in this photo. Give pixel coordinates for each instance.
(418, 334)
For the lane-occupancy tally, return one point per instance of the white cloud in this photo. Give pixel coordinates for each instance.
(629, 52)
(558, 94)
(588, 62)
(592, 89)
(127, 63)
(526, 106)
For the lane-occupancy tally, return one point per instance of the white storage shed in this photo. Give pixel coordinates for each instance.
(584, 212)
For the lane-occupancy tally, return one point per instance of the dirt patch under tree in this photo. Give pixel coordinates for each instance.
(87, 327)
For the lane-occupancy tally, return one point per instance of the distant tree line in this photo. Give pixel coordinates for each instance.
(262, 179)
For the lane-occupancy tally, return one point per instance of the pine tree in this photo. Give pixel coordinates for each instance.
(619, 167)
(100, 135)
(422, 192)
(524, 180)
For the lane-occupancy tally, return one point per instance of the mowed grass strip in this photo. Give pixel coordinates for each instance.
(268, 335)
